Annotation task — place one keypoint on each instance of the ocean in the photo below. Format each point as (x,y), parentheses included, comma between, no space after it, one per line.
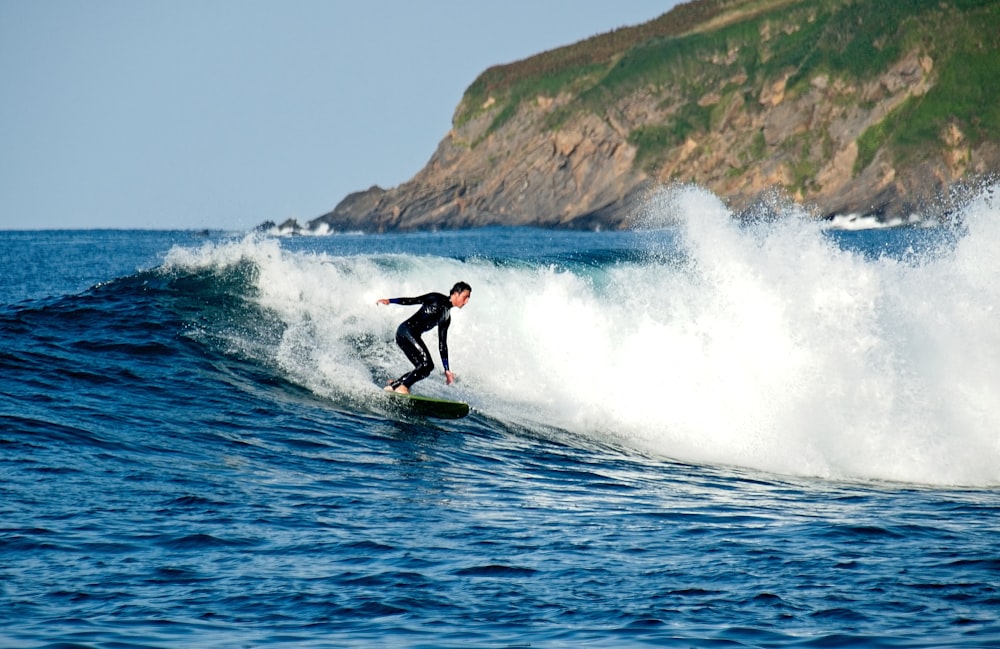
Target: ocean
(699,432)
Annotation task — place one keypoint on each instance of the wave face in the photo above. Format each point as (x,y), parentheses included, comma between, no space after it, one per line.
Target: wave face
(700,431)
(772,345)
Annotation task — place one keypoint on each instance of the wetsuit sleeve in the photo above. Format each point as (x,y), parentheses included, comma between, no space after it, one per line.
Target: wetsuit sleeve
(443,342)
(409,301)
(406,301)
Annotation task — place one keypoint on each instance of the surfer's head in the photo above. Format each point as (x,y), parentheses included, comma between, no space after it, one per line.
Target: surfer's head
(460,294)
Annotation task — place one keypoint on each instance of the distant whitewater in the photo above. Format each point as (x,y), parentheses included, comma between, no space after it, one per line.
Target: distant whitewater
(702,431)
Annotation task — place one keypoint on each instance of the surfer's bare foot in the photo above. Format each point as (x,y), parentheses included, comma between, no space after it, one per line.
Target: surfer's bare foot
(388,388)
(402,389)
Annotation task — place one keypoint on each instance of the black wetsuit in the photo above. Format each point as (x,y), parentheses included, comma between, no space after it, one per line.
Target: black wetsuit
(435,311)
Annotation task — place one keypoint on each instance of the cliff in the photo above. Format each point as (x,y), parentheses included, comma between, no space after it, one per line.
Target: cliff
(878,107)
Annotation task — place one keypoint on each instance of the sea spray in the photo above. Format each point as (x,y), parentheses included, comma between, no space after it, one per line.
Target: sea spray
(814,359)
(763,343)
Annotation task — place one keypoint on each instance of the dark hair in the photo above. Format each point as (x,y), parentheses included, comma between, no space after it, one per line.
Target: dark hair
(459,287)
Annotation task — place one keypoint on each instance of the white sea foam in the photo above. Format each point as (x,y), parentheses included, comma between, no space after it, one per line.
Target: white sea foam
(763,346)
(856,222)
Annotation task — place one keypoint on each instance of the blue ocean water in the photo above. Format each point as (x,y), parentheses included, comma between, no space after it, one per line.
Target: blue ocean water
(698,433)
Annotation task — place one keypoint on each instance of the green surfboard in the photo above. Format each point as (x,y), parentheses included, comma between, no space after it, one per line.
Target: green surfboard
(429,407)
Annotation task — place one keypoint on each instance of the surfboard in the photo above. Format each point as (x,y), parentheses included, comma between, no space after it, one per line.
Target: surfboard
(429,407)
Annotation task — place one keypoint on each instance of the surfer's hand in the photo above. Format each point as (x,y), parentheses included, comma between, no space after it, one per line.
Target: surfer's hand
(449,377)
(382,301)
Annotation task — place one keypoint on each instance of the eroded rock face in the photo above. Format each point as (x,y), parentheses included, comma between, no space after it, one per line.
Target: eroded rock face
(578,176)
(583,173)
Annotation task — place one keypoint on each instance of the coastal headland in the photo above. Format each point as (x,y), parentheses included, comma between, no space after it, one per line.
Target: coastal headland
(865,107)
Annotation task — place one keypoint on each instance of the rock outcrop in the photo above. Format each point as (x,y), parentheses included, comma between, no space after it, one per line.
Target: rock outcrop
(743,97)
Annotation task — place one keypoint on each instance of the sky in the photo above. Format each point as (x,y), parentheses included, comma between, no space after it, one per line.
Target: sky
(223,114)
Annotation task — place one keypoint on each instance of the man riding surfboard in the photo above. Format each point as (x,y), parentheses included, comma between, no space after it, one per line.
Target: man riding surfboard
(435,311)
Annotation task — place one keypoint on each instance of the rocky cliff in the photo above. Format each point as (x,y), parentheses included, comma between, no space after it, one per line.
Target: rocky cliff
(878,107)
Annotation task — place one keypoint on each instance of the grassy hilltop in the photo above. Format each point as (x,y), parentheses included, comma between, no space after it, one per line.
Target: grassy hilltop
(872,106)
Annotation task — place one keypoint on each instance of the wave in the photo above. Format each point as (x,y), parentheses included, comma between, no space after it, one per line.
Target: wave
(766,345)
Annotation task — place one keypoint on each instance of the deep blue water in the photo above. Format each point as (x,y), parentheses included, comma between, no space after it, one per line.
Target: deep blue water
(666,448)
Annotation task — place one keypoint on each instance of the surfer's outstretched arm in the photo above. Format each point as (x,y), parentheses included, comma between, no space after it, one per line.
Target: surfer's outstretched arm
(405,301)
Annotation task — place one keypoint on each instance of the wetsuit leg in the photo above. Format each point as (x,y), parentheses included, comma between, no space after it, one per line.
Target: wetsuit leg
(415,349)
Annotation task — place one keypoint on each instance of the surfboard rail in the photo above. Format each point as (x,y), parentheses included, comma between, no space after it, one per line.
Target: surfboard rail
(429,406)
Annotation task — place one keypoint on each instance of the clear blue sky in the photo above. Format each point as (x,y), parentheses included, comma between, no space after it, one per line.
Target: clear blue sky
(227,113)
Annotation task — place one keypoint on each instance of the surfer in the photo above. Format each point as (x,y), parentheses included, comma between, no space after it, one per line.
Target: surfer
(435,311)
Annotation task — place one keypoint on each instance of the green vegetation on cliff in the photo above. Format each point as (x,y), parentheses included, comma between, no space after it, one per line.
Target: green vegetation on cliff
(551,71)
(965,95)
(701,59)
